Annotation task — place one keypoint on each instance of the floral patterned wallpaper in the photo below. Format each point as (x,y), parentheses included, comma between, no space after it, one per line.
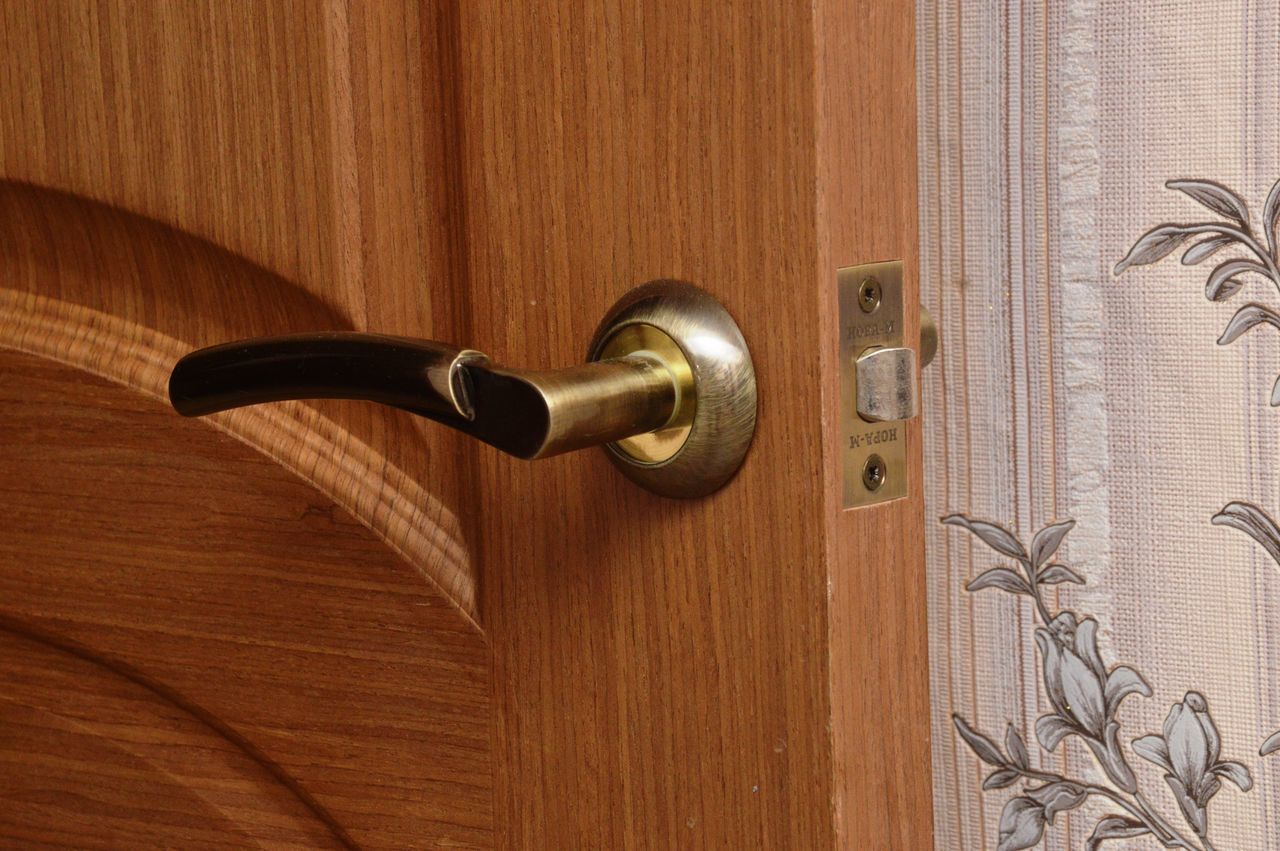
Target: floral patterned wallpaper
(1109,683)
(1084,692)
(1085,695)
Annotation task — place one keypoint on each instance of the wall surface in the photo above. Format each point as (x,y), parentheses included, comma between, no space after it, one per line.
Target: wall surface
(1082,379)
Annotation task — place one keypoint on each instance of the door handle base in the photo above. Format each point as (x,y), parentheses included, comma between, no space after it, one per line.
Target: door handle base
(708,436)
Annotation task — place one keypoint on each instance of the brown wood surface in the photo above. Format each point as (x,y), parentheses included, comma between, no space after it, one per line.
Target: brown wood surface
(879,636)
(590,666)
(198,649)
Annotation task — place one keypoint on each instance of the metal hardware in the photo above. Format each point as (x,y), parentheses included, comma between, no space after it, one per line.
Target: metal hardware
(670,391)
(869,295)
(655,447)
(707,437)
(873,473)
(928,337)
(879,385)
(887,388)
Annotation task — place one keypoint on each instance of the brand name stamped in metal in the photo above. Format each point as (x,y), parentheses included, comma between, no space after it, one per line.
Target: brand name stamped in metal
(871,320)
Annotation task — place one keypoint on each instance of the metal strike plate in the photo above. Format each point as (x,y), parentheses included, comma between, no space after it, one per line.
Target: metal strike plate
(879,388)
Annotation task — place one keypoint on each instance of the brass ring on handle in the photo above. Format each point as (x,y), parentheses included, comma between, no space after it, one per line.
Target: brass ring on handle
(689,332)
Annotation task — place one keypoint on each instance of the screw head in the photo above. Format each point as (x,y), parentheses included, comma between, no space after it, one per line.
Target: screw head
(874,473)
(869,295)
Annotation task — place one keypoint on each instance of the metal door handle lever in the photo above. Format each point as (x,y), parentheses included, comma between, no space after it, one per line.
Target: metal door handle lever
(669,388)
(527,413)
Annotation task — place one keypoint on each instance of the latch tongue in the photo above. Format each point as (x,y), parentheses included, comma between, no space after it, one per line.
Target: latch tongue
(887,385)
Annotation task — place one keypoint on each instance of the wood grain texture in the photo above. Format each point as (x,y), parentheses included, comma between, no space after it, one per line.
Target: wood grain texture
(177,174)
(291,680)
(81,279)
(662,668)
(879,633)
(741,671)
(747,670)
(305,138)
(124,765)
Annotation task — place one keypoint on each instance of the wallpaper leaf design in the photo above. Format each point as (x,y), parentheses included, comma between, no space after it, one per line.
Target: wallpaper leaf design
(1255,523)
(1235,231)
(1086,696)
(1224,282)
(1215,196)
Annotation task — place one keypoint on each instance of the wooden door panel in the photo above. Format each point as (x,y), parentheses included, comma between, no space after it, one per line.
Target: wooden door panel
(311,139)
(123,296)
(687,691)
(673,670)
(325,686)
(879,634)
(92,755)
(434,643)
(180,174)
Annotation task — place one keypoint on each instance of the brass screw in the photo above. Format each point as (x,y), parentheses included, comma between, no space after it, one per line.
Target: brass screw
(869,295)
(874,473)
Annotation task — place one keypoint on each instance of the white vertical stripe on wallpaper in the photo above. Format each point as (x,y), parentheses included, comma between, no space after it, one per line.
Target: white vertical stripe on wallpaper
(1080,275)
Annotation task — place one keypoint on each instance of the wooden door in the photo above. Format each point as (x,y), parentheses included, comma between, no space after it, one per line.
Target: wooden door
(334,624)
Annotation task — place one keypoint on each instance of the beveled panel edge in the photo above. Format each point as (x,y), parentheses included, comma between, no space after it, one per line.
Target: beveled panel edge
(407,517)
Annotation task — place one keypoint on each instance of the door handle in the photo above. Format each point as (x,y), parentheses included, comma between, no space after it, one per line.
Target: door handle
(668,390)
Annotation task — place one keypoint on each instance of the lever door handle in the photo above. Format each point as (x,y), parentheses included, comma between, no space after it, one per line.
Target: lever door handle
(668,389)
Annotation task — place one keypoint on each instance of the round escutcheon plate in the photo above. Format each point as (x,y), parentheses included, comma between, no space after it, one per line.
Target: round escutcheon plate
(691,333)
